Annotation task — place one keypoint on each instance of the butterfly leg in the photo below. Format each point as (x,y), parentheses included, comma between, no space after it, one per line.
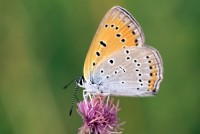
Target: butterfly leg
(87,95)
(108,97)
(91,97)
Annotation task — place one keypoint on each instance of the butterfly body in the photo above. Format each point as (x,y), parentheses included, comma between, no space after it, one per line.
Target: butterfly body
(118,62)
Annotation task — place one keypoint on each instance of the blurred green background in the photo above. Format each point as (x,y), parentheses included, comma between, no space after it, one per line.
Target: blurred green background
(43,45)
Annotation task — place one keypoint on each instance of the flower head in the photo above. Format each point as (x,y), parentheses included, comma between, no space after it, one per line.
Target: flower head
(99,116)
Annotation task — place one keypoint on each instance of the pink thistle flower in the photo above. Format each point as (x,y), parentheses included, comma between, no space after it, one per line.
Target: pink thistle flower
(98,116)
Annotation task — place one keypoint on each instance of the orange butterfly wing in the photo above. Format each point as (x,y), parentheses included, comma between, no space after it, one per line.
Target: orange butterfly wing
(118,29)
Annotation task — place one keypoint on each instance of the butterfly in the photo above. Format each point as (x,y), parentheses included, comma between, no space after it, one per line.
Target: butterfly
(118,62)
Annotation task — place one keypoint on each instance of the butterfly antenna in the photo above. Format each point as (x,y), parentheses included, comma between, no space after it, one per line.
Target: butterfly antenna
(66,86)
(74,96)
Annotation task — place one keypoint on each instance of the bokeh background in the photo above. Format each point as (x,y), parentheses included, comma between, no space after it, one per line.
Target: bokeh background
(43,45)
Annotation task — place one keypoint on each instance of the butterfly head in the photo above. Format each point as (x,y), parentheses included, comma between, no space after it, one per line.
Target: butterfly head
(80,82)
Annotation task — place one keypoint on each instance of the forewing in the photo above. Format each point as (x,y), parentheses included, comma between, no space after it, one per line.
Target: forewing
(117,30)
